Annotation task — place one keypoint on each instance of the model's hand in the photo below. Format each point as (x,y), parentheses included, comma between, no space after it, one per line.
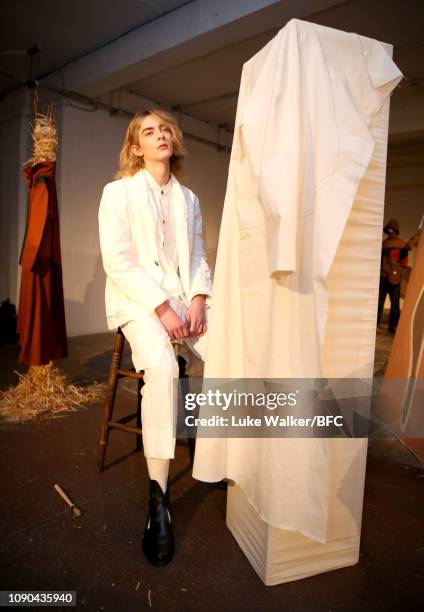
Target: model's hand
(195,316)
(175,326)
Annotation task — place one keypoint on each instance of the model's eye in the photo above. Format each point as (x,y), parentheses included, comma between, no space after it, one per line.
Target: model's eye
(166,129)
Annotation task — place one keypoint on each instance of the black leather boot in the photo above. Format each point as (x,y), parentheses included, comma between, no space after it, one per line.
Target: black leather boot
(158,540)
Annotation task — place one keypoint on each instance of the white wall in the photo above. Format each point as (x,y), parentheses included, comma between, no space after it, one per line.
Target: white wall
(14,151)
(405,186)
(405,161)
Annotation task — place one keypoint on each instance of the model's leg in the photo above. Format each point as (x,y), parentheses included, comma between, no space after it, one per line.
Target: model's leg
(158,470)
(381,298)
(157,409)
(394,293)
(160,368)
(159,447)
(152,351)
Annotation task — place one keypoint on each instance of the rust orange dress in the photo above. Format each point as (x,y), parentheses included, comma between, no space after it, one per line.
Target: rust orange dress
(41,314)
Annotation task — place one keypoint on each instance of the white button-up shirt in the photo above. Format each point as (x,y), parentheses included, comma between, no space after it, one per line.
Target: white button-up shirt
(169,252)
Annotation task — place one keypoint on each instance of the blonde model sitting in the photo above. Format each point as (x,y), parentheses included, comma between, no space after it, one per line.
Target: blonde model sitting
(157,280)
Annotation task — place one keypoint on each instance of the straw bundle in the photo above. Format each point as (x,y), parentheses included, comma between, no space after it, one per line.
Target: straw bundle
(44,135)
(44,391)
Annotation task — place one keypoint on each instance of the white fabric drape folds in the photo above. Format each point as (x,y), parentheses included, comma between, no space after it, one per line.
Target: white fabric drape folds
(302,145)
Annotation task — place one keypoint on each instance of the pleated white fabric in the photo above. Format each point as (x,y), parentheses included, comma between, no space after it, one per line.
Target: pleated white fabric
(303,143)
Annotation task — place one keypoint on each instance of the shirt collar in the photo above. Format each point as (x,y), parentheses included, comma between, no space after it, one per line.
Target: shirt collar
(155,185)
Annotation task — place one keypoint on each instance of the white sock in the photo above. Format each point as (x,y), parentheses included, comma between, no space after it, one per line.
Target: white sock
(158,470)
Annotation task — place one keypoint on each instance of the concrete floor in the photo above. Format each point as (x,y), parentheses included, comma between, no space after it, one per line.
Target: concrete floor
(99,555)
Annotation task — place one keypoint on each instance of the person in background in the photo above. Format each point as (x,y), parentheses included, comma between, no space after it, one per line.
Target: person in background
(394,256)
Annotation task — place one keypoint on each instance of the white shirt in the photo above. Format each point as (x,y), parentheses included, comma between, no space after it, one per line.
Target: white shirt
(162,196)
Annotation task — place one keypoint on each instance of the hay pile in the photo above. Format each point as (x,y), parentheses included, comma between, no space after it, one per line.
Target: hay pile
(45,392)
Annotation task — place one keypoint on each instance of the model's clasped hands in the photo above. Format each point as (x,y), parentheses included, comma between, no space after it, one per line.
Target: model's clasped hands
(195,321)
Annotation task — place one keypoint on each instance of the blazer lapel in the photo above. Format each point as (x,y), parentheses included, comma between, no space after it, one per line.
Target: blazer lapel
(146,206)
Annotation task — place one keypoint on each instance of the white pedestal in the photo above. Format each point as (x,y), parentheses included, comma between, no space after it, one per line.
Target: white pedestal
(280,556)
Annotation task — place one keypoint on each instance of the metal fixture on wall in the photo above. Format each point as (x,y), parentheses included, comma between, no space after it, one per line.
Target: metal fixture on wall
(111,108)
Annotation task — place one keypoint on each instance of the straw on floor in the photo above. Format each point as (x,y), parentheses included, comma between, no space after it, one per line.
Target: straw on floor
(45,392)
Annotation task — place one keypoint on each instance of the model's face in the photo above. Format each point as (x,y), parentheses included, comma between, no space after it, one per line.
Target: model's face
(155,140)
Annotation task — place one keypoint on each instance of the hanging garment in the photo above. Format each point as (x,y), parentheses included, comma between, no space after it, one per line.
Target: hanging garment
(302,144)
(41,315)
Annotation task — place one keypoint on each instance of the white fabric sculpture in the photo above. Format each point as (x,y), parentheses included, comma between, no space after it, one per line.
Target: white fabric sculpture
(302,144)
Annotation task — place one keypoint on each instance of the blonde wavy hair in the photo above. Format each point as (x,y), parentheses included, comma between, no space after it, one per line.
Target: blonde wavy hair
(129,163)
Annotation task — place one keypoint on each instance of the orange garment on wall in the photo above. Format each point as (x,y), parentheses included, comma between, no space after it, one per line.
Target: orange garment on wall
(41,315)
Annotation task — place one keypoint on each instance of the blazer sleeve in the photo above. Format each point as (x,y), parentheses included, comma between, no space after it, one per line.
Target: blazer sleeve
(116,247)
(200,274)
(382,72)
(272,135)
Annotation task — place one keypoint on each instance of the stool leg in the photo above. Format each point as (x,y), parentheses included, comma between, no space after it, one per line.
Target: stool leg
(191,449)
(185,388)
(138,438)
(110,397)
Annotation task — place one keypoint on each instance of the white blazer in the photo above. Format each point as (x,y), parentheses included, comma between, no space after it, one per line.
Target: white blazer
(131,238)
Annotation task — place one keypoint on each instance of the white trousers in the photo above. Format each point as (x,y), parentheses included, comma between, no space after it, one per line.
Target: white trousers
(153,352)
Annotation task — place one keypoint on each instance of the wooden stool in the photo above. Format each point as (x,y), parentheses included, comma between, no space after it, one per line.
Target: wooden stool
(115,374)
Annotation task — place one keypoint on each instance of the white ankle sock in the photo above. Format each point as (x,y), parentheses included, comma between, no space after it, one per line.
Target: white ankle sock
(158,470)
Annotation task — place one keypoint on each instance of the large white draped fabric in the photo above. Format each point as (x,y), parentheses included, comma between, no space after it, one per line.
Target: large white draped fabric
(296,276)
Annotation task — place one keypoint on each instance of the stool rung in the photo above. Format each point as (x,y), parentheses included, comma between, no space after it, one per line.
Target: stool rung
(129,374)
(124,419)
(127,428)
